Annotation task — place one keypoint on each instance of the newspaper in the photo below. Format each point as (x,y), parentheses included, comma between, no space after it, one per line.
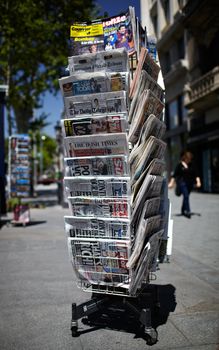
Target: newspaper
(113,61)
(94,125)
(91,83)
(103,165)
(148,104)
(119,31)
(97,186)
(151,207)
(151,187)
(145,83)
(86,227)
(86,37)
(152,127)
(105,103)
(142,156)
(96,145)
(144,230)
(107,207)
(146,63)
(155,167)
(142,269)
(100,260)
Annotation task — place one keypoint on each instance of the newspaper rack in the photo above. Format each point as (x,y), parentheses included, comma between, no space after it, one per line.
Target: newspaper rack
(115,224)
(19,176)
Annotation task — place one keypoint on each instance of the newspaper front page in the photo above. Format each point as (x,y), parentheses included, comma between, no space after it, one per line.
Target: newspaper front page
(94,125)
(96,145)
(97,186)
(100,165)
(95,227)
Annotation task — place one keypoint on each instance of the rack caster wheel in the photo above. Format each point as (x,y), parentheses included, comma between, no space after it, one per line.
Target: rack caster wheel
(74,331)
(151,335)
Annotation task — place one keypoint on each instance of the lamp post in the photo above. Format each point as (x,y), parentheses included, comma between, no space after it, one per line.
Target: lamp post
(3,92)
(59,140)
(42,138)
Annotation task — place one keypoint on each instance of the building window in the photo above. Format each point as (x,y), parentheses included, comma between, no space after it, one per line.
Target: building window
(182,110)
(154,21)
(166,7)
(180,48)
(175,149)
(173,115)
(166,63)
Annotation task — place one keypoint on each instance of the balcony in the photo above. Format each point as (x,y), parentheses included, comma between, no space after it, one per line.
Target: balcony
(203,92)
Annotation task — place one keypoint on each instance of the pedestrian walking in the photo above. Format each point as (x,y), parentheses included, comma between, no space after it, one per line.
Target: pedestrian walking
(185,178)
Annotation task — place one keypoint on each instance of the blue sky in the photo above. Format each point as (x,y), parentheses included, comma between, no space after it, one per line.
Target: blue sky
(53,106)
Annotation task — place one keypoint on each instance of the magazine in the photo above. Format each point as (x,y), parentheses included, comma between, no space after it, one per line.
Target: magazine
(113,61)
(86,227)
(146,63)
(142,269)
(145,229)
(148,104)
(96,145)
(119,32)
(142,156)
(145,83)
(97,186)
(86,37)
(90,206)
(94,125)
(150,188)
(103,165)
(151,207)
(155,167)
(105,103)
(91,83)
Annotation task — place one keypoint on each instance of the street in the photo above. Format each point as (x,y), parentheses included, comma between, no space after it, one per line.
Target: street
(38,286)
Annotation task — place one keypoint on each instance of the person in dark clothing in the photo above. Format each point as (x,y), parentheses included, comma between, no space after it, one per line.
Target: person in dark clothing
(185,178)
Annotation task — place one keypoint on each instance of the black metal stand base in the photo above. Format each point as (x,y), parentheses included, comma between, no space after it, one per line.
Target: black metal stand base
(108,310)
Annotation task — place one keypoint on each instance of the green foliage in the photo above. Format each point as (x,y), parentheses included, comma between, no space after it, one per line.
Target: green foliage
(34,48)
(11,203)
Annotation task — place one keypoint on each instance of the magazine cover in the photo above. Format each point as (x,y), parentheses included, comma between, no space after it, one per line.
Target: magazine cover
(108,207)
(91,83)
(96,145)
(119,32)
(97,186)
(109,102)
(94,125)
(86,227)
(86,37)
(113,61)
(103,165)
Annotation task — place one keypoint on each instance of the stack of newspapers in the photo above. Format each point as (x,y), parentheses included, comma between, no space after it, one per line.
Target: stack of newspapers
(114,152)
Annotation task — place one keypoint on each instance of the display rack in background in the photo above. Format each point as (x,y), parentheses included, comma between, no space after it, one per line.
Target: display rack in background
(117,199)
(19,166)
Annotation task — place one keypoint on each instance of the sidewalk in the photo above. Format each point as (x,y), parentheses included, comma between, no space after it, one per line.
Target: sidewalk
(37,286)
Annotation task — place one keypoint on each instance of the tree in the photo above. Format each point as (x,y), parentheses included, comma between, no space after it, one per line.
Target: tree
(33,50)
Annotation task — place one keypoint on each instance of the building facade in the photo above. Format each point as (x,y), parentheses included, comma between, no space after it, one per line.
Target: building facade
(187,34)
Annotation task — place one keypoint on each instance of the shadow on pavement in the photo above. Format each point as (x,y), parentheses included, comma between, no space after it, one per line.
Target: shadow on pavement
(36,222)
(192,214)
(4,222)
(114,315)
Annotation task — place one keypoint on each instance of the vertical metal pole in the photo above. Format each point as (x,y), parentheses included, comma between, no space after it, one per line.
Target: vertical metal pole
(34,163)
(2,156)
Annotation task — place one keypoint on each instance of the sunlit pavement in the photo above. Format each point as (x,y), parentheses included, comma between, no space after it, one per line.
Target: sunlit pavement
(37,286)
